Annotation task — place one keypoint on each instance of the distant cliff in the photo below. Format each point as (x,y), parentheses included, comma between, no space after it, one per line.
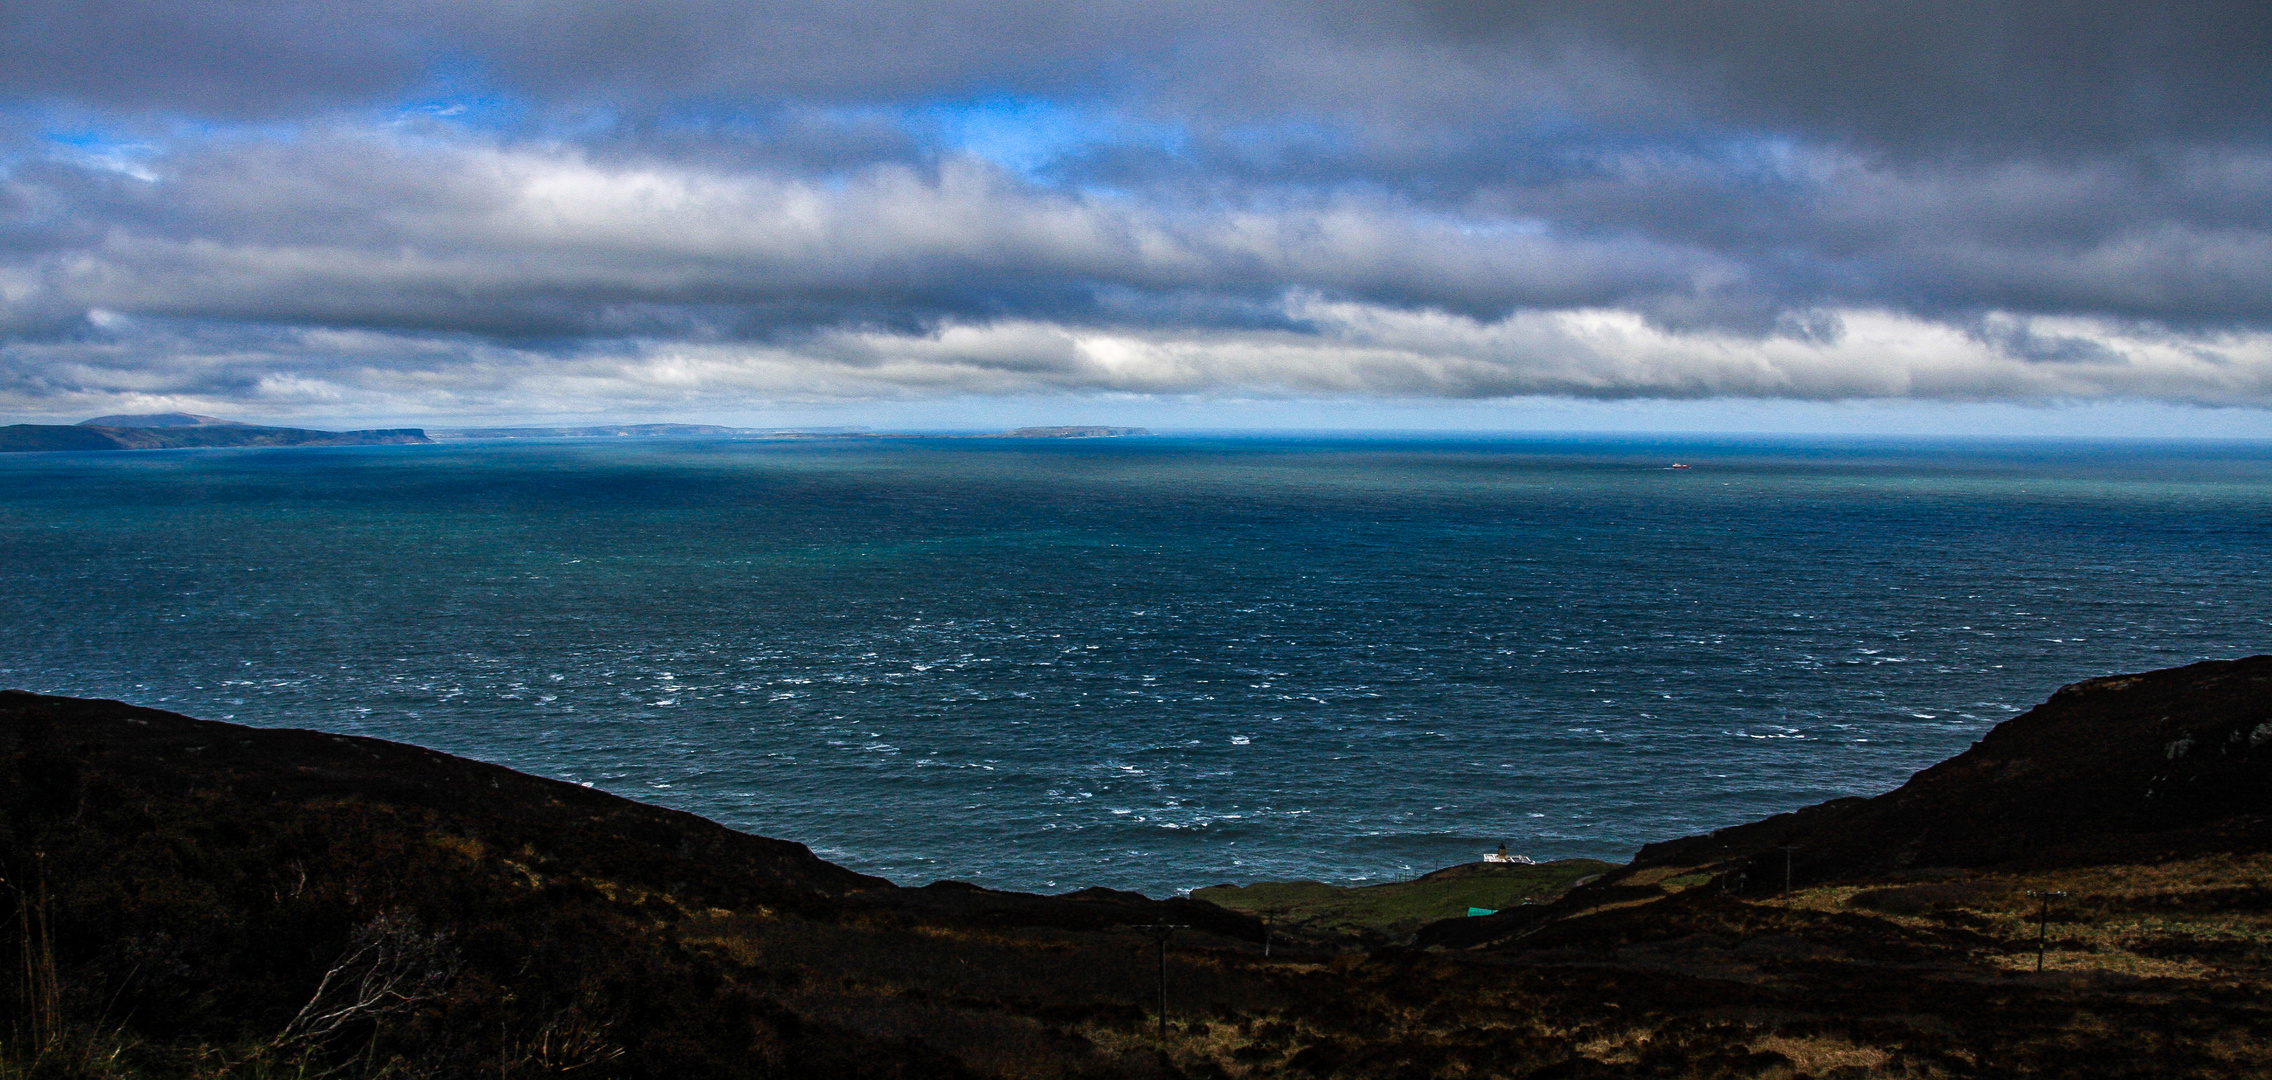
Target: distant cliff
(203,431)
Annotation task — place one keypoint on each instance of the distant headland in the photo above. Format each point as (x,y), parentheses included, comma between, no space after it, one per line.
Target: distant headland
(179,430)
(169,431)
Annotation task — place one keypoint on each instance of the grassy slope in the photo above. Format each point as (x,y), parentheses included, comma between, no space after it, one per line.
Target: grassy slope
(1390,912)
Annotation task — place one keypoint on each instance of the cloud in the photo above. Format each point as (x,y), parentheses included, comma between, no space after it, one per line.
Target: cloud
(540,241)
(358,228)
(1999,72)
(1357,349)
(1342,349)
(407,203)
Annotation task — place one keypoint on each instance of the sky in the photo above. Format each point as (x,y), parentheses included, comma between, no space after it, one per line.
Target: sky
(1928,216)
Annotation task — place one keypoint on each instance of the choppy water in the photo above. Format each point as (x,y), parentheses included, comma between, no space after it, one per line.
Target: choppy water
(1153,664)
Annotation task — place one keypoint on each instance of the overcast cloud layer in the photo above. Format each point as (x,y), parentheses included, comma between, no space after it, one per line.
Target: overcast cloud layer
(493,208)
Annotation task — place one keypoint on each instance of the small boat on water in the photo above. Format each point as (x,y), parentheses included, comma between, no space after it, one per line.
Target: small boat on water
(1678,465)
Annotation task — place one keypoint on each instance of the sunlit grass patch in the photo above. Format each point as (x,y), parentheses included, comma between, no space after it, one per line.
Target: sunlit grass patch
(1392,910)
(1819,1054)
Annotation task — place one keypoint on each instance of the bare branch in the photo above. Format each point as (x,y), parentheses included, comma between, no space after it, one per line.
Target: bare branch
(389,965)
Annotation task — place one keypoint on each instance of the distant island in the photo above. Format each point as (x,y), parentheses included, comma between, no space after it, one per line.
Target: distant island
(171,431)
(1070,433)
(631,431)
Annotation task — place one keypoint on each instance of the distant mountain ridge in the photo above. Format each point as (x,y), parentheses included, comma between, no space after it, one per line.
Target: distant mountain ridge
(172,431)
(160,431)
(159,420)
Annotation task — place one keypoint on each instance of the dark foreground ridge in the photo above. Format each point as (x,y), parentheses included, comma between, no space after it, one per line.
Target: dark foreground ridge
(2151,769)
(195,899)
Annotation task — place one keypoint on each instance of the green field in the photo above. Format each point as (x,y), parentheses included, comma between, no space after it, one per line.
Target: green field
(1390,912)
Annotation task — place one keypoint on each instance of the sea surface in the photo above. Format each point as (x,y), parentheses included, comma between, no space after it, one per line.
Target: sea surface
(1152,663)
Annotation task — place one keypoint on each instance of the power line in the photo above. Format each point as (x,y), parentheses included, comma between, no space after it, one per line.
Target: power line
(2042,924)
(1162,932)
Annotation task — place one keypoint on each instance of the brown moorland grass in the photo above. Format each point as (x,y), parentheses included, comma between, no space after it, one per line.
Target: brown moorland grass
(191,900)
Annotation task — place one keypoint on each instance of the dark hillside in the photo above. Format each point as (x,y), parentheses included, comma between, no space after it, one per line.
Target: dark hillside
(188,899)
(90,755)
(201,877)
(2156,766)
(2134,769)
(183,888)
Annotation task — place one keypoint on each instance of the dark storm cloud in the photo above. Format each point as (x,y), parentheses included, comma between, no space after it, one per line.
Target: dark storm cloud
(204,57)
(1599,198)
(281,57)
(2085,74)
(2095,74)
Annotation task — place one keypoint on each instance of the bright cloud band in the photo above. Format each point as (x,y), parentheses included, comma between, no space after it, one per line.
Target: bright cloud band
(1415,201)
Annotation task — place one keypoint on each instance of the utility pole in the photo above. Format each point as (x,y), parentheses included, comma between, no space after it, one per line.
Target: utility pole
(2042,924)
(1787,849)
(1269,915)
(1162,932)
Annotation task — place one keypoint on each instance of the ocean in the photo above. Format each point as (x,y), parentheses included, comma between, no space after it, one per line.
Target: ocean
(1146,663)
